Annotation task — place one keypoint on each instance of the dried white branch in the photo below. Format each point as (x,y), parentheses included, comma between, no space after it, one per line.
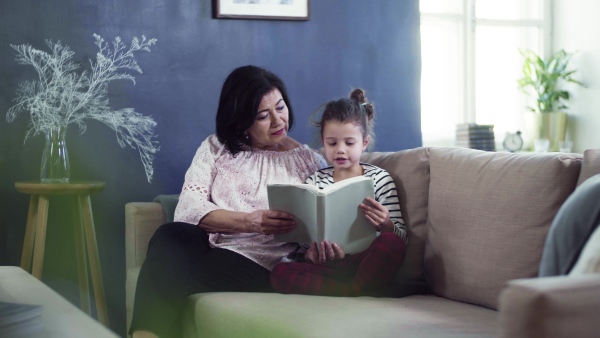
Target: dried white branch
(61,96)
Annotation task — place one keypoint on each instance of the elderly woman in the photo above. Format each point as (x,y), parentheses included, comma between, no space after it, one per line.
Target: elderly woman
(222,237)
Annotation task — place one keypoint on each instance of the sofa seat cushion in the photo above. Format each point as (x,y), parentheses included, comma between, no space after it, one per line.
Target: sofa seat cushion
(228,314)
(489,214)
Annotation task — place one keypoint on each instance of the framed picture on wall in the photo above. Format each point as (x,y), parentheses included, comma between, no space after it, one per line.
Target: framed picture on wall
(261,9)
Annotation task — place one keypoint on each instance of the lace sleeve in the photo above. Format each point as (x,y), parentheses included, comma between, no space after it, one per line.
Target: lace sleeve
(194,200)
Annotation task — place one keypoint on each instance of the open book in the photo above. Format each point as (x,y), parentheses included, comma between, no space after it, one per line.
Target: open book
(331,214)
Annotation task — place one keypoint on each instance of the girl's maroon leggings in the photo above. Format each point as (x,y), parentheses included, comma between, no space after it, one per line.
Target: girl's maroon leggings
(350,276)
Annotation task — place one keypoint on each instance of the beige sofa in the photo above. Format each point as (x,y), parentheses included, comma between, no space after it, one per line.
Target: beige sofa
(477,225)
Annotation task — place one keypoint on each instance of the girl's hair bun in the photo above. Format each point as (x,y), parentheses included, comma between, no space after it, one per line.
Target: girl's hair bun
(358,95)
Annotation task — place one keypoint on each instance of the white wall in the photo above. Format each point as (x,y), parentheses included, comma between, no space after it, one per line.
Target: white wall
(575,28)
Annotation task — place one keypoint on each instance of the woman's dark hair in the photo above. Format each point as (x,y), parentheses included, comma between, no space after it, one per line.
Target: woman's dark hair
(356,109)
(240,97)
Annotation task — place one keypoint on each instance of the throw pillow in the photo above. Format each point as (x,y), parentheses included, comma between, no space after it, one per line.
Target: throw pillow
(589,260)
(571,229)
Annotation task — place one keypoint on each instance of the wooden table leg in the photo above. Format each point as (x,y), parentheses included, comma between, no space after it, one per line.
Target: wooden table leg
(29,234)
(80,256)
(92,247)
(40,237)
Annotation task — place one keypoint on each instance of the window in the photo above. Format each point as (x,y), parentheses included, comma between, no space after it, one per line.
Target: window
(471,62)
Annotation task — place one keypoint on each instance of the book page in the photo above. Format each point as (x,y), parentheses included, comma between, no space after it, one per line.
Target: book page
(305,186)
(341,184)
(344,222)
(299,202)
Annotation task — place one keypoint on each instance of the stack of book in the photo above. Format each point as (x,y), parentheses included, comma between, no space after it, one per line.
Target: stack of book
(18,320)
(475,136)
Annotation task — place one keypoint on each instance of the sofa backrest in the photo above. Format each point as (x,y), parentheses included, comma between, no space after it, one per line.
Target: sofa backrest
(590,166)
(488,216)
(410,171)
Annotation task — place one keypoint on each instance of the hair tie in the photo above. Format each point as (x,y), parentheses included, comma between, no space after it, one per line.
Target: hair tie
(363,104)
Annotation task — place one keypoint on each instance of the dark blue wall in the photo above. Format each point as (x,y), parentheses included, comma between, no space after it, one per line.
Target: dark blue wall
(346,44)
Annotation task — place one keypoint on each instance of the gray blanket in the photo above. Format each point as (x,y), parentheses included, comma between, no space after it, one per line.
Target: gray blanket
(573,225)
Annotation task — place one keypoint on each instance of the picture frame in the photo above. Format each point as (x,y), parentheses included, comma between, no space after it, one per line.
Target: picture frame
(297,10)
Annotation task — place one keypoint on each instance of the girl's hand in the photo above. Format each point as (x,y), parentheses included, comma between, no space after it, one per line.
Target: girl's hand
(327,252)
(312,254)
(377,214)
(269,222)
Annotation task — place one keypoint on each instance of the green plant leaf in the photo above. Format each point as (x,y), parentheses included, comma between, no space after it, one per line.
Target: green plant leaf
(543,79)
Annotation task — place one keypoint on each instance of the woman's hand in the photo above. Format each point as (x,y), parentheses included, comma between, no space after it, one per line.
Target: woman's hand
(378,215)
(269,222)
(327,252)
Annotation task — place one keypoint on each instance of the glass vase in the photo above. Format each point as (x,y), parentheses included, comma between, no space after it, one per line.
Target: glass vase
(55,158)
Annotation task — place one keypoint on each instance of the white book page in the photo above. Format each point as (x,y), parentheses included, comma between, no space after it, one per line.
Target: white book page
(339,220)
(302,204)
(344,222)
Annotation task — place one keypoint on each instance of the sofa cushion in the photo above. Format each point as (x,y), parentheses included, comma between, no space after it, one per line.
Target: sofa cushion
(410,171)
(488,218)
(263,315)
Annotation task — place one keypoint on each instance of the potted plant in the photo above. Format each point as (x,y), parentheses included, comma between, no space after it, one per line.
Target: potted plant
(544,80)
(63,95)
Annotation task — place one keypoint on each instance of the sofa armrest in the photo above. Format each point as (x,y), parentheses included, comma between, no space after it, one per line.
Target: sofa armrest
(141,221)
(560,306)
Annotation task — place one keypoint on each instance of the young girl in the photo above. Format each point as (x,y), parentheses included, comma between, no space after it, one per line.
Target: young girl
(346,131)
